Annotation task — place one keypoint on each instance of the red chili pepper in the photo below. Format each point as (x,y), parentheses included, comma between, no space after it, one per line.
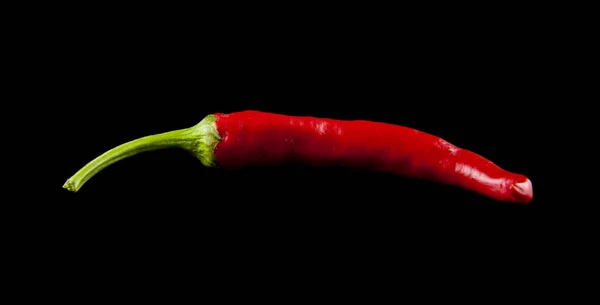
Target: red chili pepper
(252,138)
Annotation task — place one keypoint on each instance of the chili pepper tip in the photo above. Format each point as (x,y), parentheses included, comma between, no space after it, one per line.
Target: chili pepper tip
(522,191)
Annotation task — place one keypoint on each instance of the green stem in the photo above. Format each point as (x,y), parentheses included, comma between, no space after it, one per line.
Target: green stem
(200,140)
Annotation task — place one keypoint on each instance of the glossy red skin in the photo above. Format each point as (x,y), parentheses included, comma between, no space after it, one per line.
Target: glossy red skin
(252,138)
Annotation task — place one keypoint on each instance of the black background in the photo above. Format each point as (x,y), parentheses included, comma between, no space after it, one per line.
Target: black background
(475,80)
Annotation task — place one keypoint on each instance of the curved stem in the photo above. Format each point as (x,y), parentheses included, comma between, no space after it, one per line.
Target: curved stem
(178,138)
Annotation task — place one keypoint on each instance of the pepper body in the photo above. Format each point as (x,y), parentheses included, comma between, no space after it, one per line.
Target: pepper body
(252,138)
